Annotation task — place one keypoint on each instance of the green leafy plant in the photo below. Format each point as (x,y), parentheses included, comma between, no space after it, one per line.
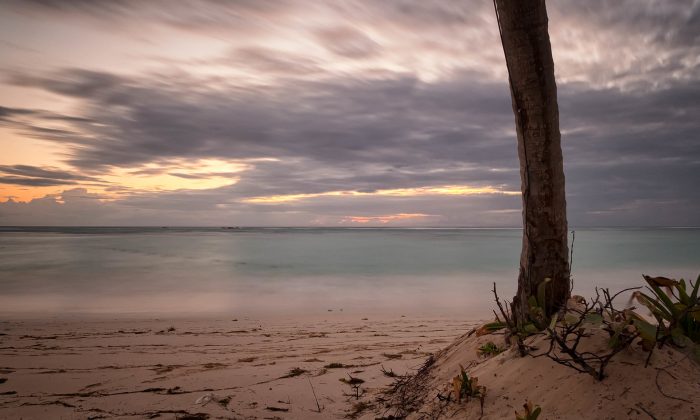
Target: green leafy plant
(531,412)
(490,328)
(489,349)
(675,305)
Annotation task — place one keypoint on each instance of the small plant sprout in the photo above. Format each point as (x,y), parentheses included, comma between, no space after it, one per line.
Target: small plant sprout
(466,387)
(489,349)
(355,384)
(530,412)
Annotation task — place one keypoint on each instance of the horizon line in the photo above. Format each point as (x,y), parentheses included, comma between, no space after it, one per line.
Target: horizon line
(231,227)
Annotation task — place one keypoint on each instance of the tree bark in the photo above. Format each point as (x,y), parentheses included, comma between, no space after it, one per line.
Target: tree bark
(523,28)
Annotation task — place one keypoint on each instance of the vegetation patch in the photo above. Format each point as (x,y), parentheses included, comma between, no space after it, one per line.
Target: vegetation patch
(530,412)
(297,371)
(336,365)
(490,349)
(392,356)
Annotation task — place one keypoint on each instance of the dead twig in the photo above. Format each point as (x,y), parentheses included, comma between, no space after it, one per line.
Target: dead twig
(665,369)
(318,406)
(571,261)
(641,407)
(406,395)
(511,325)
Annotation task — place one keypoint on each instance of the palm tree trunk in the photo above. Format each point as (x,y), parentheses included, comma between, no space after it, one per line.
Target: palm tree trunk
(523,27)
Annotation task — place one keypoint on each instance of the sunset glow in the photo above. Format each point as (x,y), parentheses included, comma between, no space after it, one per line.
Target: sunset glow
(384,219)
(398,192)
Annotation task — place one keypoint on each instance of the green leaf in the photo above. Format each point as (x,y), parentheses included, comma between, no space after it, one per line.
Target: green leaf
(594,318)
(684,298)
(494,326)
(656,307)
(570,319)
(647,331)
(695,315)
(668,303)
(530,328)
(614,341)
(696,288)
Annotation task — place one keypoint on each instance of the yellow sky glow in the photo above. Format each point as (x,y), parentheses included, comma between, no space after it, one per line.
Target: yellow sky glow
(163,176)
(384,219)
(193,175)
(396,192)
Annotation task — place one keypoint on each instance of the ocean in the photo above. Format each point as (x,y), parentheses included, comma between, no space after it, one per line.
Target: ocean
(259,271)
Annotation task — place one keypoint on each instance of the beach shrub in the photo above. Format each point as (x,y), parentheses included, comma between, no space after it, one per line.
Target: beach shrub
(516,331)
(675,305)
(569,329)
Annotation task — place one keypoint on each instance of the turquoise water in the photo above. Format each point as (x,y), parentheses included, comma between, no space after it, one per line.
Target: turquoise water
(193,270)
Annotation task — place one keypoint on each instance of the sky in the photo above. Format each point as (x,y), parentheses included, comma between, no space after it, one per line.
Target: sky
(336,113)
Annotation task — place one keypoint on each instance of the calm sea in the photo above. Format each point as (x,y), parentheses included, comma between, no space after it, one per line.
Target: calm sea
(295,270)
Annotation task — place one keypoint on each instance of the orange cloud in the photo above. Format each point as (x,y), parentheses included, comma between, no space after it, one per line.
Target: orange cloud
(384,219)
(160,176)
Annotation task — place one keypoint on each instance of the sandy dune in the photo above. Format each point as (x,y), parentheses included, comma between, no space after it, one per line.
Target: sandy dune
(669,388)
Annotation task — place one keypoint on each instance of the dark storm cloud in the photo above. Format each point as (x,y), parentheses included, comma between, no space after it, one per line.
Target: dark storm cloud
(73,82)
(33,182)
(40,177)
(7,113)
(33,171)
(394,122)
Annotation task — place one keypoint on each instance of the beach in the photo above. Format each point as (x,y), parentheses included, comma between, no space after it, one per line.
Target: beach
(224,367)
(276,368)
(305,323)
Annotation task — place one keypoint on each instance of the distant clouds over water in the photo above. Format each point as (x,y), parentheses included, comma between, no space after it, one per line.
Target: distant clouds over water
(336,113)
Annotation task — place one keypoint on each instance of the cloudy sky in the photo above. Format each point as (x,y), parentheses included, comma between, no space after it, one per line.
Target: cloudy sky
(337,113)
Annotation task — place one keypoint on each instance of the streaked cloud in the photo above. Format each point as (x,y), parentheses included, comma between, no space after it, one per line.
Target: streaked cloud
(207,112)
